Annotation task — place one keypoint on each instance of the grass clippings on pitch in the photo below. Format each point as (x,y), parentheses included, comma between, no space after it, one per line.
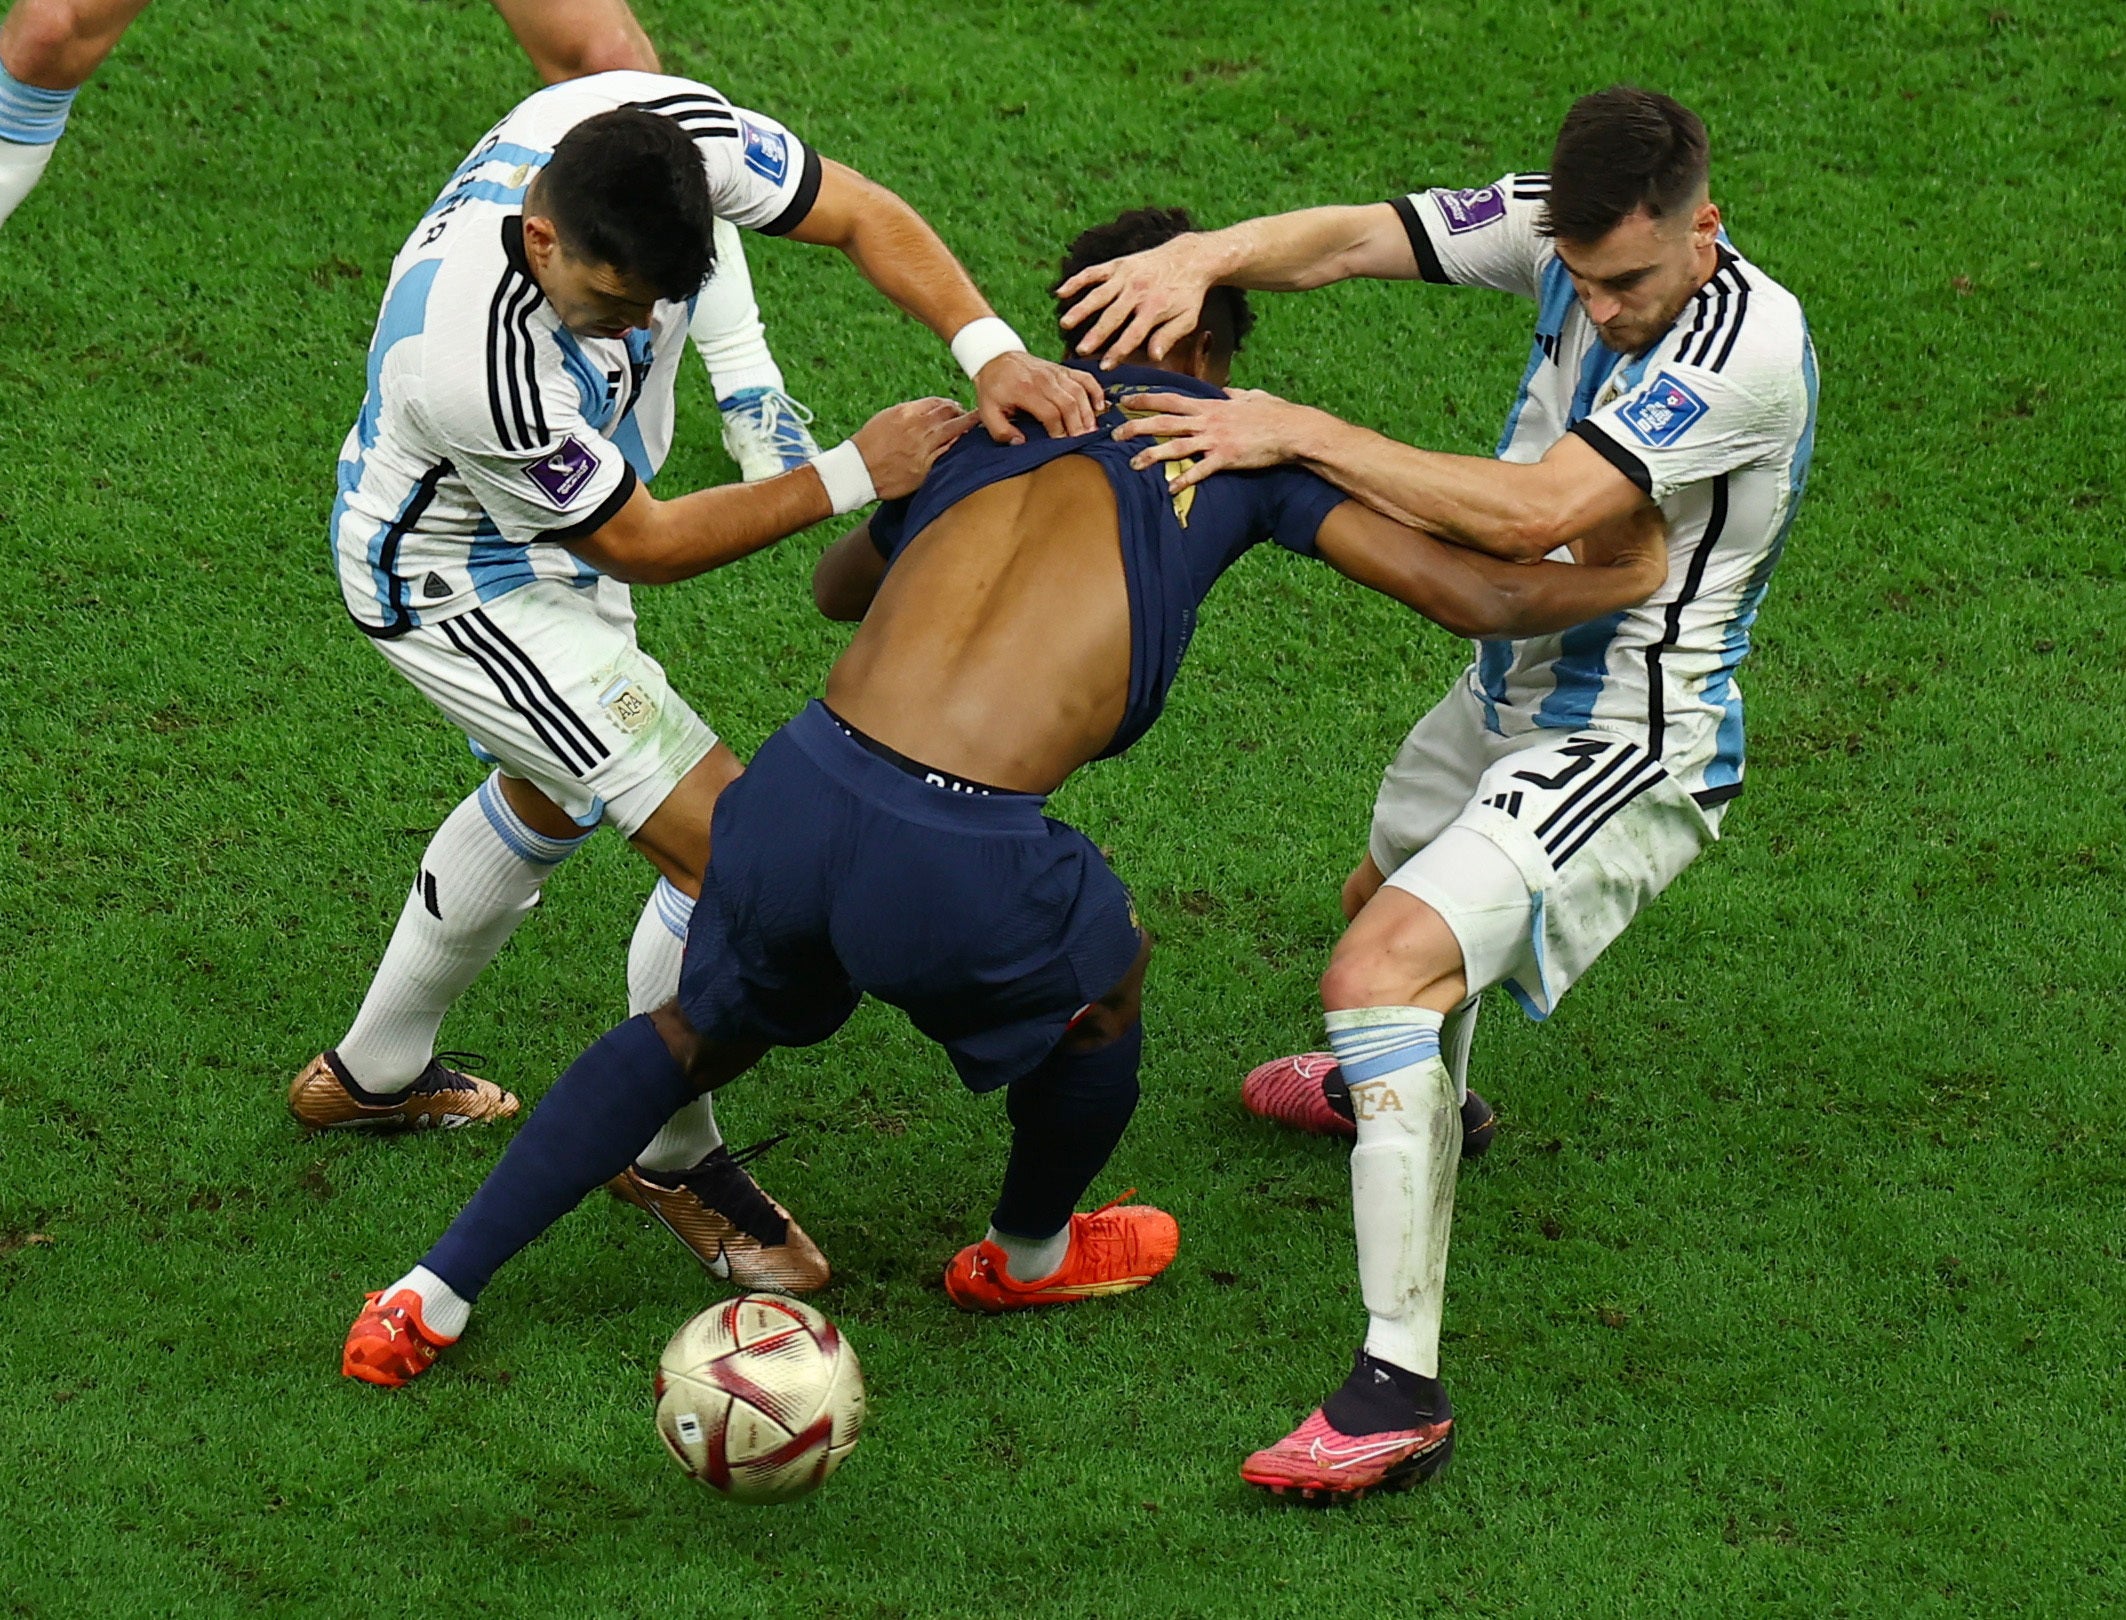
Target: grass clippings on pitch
(1793,1283)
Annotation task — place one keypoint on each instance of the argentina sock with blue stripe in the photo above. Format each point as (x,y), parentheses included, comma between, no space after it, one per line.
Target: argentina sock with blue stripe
(1402,1175)
(479,878)
(32,119)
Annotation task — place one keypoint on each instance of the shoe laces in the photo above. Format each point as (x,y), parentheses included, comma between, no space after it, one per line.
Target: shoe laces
(779,419)
(721,1182)
(1089,1233)
(441,1076)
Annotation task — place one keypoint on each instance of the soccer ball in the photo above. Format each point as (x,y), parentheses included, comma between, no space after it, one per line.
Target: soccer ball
(759,1398)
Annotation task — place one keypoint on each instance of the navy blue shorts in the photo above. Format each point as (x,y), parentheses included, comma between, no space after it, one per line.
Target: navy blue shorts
(834,873)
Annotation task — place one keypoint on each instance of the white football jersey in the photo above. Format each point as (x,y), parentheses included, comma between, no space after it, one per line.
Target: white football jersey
(492,435)
(1715,422)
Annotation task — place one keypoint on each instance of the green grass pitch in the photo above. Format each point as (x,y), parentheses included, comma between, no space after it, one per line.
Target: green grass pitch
(1794,1284)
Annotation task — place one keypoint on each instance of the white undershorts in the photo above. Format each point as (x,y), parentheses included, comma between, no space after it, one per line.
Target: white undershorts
(548,683)
(1537,850)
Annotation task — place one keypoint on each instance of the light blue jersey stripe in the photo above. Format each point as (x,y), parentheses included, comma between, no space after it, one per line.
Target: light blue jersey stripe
(478,191)
(593,392)
(1553,304)
(497,566)
(1578,672)
(405,315)
(1720,690)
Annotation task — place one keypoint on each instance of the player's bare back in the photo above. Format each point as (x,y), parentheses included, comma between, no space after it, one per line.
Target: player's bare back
(998,648)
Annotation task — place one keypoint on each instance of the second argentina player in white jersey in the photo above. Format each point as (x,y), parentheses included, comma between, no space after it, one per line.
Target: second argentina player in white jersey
(1564,780)
(492,506)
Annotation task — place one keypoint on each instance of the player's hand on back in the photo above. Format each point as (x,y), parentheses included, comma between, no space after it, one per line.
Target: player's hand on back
(1151,299)
(1248,428)
(1065,402)
(900,443)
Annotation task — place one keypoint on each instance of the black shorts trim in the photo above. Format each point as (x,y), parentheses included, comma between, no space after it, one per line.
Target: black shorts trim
(1615,454)
(929,774)
(1428,265)
(800,204)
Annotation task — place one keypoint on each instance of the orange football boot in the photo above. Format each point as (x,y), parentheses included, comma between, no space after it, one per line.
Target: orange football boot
(1112,1251)
(389,1344)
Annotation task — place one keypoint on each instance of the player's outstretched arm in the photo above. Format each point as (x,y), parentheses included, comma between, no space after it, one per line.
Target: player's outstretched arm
(848,575)
(1510,509)
(653,542)
(1621,563)
(1154,299)
(899,254)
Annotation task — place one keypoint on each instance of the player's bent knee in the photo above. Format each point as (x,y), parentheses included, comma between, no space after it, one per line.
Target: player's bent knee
(57,44)
(1399,956)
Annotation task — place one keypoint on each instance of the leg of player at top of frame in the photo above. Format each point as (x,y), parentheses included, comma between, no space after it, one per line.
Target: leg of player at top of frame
(48,49)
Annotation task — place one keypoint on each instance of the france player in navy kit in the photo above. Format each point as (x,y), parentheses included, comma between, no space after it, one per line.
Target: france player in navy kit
(1024,611)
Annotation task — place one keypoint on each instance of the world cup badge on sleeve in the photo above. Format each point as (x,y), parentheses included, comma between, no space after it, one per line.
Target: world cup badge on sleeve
(1469,210)
(1663,413)
(561,473)
(767,153)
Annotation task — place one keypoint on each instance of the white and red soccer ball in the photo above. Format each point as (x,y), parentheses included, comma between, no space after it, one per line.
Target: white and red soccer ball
(759,1398)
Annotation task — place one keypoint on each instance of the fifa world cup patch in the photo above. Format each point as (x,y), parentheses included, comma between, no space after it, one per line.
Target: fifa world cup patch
(1470,210)
(767,153)
(1663,413)
(562,473)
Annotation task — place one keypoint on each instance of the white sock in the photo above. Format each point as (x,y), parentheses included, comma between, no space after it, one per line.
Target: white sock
(32,119)
(20,168)
(1030,1259)
(443,1313)
(1402,1175)
(726,328)
(1454,1038)
(479,878)
(690,1135)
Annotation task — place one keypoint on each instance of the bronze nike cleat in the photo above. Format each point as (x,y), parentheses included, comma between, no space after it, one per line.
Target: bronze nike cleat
(324,1097)
(733,1228)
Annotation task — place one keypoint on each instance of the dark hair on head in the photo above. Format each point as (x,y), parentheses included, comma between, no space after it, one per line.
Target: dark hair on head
(1618,150)
(1225,309)
(626,189)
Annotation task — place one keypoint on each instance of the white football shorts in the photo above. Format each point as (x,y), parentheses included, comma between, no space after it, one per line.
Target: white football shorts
(548,683)
(1538,849)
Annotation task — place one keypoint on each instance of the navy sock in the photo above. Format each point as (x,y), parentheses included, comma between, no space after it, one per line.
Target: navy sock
(1066,1118)
(584,1132)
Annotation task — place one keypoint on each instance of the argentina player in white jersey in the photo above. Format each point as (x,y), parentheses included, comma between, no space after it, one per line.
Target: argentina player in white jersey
(493,504)
(1564,780)
(50,48)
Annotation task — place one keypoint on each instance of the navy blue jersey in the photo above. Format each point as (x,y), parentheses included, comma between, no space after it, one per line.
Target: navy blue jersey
(1174,547)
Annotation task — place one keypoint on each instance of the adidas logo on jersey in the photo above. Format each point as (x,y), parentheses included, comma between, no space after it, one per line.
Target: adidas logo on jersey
(435,585)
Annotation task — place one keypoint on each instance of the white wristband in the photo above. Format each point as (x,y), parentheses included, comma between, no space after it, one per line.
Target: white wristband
(847,479)
(979,342)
